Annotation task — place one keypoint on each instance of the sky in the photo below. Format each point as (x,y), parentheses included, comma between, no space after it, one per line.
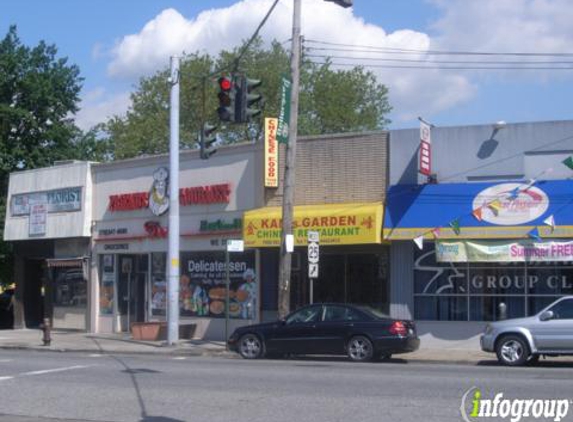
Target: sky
(116,42)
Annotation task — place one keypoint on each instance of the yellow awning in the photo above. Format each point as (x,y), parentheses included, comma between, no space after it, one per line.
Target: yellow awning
(337,224)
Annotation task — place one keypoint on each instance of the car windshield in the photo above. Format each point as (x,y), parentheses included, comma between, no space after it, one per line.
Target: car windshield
(376,313)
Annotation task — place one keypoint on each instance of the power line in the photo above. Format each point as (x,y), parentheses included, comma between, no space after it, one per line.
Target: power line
(355,47)
(433,61)
(381,66)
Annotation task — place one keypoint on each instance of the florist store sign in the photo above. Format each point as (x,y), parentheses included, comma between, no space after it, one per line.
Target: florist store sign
(504,251)
(337,224)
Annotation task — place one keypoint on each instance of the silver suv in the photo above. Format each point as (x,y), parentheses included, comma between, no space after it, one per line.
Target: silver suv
(523,340)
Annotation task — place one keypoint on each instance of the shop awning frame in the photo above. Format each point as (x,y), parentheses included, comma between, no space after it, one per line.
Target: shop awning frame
(66,262)
(416,210)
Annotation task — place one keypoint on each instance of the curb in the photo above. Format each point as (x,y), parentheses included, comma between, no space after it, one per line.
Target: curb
(176,352)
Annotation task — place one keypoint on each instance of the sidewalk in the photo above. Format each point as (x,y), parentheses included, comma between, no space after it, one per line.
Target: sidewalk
(71,341)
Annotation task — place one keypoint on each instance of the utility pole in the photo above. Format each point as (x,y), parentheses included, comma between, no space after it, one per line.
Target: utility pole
(290,167)
(173,254)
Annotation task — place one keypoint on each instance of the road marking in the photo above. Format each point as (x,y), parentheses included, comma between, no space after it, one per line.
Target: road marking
(44,371)
(6,360)
(95,355)
(50,371)
(179,358)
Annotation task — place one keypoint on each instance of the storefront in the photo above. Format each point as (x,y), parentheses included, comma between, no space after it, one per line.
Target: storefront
(353,262)
(484,251)
(48,221)
(131,241)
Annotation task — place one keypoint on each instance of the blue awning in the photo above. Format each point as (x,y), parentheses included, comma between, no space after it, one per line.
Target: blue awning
(479,210)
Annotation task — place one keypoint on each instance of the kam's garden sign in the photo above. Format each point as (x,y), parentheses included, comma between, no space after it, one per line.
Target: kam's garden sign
(342,224)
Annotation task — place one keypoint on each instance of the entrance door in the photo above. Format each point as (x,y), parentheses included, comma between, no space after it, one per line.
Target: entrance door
(131,295)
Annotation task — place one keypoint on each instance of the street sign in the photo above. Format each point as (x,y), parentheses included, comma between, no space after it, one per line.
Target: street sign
(235,246)
(313,252)
(313,270)
(313,236)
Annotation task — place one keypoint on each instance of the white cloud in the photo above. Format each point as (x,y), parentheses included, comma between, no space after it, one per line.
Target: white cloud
(170,33)
(506,25)
(530,26)
(97,106)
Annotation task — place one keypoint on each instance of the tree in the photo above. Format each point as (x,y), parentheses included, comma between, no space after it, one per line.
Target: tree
(331,101)
(38,95)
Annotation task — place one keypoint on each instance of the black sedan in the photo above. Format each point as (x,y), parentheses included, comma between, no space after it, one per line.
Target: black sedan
(362,333)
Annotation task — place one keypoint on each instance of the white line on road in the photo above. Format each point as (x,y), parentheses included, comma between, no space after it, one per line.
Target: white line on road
(44,371)
(49,371)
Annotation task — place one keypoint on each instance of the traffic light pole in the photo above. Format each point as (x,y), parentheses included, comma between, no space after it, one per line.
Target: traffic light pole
(290,167)
(173,253)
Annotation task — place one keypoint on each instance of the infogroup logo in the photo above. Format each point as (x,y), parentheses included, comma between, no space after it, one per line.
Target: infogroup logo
(474,407)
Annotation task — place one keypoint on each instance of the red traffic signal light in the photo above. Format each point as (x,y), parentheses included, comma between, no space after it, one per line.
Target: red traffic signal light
(225,83)
(226,95)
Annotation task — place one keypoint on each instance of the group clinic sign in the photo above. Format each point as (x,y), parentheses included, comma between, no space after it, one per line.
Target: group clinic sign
(337,224)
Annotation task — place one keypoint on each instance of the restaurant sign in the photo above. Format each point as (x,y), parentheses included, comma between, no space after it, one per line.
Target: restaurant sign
(337,224)
(504,251)
(271,154)
(196,195)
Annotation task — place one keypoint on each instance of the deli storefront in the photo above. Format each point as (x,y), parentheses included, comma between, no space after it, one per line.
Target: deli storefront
(130,237)
(353,262)
(481,251)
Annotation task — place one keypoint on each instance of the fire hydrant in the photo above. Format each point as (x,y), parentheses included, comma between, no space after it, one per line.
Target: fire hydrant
(46,330)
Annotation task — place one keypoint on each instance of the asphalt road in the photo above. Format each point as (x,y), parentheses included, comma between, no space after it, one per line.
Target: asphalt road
(45,386)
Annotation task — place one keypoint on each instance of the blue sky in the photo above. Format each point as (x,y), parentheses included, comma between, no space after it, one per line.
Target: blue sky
(116,42)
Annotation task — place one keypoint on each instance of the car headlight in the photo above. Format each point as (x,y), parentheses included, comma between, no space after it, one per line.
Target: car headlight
(488,329)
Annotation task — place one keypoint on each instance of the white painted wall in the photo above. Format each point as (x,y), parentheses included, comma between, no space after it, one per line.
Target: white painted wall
(58,224)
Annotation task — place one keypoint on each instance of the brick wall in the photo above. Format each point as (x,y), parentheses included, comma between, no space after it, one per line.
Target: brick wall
(337,168)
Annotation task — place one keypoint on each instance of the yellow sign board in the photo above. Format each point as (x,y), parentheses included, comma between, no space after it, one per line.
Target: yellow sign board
(271,153)
(337,224)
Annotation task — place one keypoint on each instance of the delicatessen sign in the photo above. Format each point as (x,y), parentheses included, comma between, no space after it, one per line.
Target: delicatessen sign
(202,289)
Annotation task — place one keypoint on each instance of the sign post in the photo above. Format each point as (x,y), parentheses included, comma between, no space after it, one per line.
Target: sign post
(313,258)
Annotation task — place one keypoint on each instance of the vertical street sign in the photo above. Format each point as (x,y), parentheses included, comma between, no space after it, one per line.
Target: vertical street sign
(425,162)
(313,258)
(284,113)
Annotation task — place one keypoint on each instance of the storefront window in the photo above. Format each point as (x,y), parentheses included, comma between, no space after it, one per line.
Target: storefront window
(203,290)
(158,284)
(70,288)
(107,284)
(485,291)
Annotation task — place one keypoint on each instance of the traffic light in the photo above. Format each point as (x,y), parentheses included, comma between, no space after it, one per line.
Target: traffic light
(247,99)
(207,138)
(226,110)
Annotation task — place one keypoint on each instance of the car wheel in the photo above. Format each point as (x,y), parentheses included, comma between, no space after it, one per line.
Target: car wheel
(250,346)
(360,349)
(512,351)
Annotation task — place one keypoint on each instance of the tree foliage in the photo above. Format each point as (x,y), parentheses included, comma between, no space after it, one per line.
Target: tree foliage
(38,96)
(331,100)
